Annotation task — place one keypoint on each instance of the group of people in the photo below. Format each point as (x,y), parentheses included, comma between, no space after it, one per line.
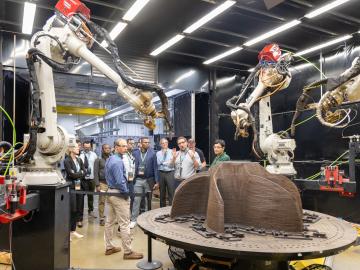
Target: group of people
(130,172)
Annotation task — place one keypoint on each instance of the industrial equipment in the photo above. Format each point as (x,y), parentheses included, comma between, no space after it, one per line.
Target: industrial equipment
(273,75)
(339,91)
(66,38)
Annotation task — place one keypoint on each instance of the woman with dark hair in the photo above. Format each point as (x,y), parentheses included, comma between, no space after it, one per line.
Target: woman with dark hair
(219,150)
(75,172)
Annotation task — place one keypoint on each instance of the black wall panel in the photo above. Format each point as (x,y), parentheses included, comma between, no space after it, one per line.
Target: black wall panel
(22,112)
(182,115)
(202,124)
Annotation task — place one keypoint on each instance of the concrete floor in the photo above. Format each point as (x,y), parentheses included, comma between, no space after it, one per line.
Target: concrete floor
(88,252)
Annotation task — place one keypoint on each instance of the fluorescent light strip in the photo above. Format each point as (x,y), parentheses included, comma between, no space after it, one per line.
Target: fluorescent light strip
(325,8)
(184,76)
(28,17)
(135,9)
(223,55)
(212,14)
(323,45)
(167,45)
(272,32)
(115,32)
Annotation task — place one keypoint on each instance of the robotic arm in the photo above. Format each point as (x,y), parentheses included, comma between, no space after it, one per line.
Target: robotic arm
(272,72)
(66,38)
(345,88)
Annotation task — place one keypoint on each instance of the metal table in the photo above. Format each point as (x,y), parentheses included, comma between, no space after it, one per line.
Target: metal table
(254,251)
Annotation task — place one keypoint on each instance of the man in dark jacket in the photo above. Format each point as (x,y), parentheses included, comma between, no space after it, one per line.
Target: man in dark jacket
(146,175)
(100,181)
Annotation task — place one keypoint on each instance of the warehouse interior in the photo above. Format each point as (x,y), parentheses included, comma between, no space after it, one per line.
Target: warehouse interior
(274,83)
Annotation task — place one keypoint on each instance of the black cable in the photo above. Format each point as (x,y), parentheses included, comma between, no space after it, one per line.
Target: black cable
(142,86)
(36,42)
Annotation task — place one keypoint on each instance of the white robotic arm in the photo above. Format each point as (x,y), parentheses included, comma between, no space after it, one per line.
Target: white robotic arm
(279,151)
(64,40)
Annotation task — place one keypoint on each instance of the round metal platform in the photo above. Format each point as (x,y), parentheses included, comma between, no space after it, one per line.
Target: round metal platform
(340,236)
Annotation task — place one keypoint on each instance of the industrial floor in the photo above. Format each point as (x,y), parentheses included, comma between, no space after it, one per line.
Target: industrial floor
(88,252)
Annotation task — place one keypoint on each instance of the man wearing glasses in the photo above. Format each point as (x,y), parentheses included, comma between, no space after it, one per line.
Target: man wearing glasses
(129,162)
(166,172)
(146,176)
(115,175)
(186,161)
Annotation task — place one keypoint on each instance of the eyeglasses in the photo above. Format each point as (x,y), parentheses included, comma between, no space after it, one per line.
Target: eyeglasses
(121,145)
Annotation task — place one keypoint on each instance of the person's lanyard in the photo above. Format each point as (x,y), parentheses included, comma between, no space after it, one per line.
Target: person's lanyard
(131,158)
(143,157)
(182,157)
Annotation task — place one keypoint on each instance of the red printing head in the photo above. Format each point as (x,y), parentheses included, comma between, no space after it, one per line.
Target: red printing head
(69,7)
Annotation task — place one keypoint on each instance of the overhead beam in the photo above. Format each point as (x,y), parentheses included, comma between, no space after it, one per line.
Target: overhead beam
(81,110)
(100,3)
(17,24)
(273,16)
(340,17)
(208,41)
(203,57)
(229,33)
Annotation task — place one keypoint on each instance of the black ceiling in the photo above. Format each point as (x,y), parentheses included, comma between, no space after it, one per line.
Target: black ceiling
(162,19)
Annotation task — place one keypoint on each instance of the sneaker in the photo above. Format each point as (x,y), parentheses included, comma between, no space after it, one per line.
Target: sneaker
(91,214)
(133,256)
(79,224)
(112,250)
(102,222)
(132,224)
(76,235)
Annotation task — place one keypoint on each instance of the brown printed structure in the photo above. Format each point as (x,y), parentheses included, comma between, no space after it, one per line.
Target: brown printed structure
(240,193)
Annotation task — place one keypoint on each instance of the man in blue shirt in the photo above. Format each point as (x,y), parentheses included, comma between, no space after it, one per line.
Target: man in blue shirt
(146,175)
(166,172)
(115,176)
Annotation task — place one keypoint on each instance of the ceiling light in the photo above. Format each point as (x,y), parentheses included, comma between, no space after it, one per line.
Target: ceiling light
(117,30)
(184,76)
(90,102)
(223,55)
(104,94)
(114,32)
(135,9)
(212,14)
(70,114)
(325,8)
(167,45)
(28,18)
(272,32)
(323,45)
